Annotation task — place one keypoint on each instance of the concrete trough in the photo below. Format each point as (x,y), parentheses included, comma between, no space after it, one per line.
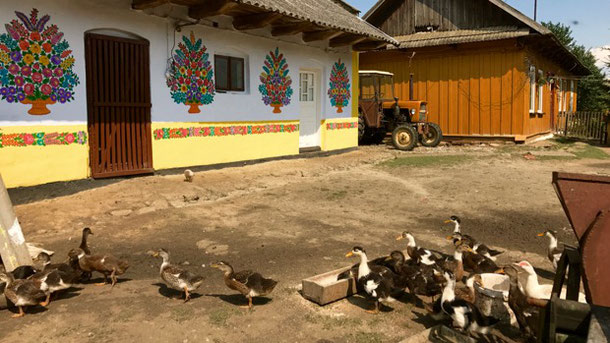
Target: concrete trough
(325,288)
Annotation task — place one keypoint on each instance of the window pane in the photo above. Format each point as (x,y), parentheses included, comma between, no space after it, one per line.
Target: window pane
(237,74)
(221,69)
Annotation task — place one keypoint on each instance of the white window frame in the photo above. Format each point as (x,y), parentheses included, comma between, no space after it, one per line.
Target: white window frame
(540,92)
(532,76)
(560,94)
(572,91)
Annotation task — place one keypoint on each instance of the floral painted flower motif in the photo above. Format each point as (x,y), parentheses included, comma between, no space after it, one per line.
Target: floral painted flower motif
(338,90)
(42,139)
(28,139)
(275,81)
(37,61)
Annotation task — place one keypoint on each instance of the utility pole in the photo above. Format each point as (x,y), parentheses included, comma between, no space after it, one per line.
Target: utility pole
(535,8)
(13,250)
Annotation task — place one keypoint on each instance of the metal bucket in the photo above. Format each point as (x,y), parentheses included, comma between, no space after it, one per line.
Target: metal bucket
(491,298)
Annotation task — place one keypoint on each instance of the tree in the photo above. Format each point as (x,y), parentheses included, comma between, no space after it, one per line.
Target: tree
(338,89)
(191,82)
(593,91)
(275,82)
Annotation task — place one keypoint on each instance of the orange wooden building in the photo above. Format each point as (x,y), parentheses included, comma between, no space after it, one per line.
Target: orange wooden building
(484,68)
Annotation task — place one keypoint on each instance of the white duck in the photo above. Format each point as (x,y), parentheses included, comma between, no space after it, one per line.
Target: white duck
(553,252)
(535,290)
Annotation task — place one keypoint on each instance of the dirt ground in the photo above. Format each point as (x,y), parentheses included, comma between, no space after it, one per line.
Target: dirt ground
(290,220)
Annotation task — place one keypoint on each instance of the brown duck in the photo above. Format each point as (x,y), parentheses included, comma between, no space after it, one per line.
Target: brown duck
(54,276)
(178,278)
(23,292)
(247,282)
(107,265)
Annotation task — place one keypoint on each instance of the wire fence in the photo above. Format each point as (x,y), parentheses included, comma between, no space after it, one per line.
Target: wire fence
(583,125)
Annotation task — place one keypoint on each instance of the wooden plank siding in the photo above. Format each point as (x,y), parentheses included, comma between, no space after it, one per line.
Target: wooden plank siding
(474,91)
(409,16)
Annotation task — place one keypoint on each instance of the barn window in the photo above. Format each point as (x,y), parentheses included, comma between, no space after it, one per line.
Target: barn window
(532,76)
(572,92)
(560,94)
(229,72)
(540,90)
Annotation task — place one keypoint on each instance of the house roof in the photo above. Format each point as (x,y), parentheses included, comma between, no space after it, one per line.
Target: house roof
(534,31)
(327,13)
(435,38)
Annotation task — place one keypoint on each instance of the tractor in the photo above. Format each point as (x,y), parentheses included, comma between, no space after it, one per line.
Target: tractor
(379,112)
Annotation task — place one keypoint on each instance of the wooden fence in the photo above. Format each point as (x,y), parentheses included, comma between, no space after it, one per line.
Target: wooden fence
(582,125)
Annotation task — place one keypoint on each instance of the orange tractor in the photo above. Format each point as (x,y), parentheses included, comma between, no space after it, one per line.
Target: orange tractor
(380,112)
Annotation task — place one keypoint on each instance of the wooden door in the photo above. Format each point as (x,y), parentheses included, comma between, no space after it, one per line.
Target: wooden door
(118,105)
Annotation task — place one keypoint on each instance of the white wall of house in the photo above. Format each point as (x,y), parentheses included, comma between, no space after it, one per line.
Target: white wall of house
(75,17)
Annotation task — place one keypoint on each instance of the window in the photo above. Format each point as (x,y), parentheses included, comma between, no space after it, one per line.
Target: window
(540,90)
(532,76)
(560,94)
(229,73)
(306,89)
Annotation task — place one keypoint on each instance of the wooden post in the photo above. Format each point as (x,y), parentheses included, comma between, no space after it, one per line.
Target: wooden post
(13,250)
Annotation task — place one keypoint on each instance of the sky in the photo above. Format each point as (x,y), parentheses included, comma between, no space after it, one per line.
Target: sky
(589,19)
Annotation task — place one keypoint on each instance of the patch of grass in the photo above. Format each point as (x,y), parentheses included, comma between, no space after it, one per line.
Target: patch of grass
(556,158)
(369,337)
(588,151)
(427,161)
(219,317)
(182,313)
(334,322)
(337,195)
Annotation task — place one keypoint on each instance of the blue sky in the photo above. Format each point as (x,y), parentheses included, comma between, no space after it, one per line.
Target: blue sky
(592,16)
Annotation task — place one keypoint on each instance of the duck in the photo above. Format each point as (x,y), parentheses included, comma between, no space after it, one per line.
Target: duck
(553,252)
(377,281)
(249,283)
(54,277)
(418,279)
(480,248)
(105,264)
(526,314)
(177,278)
(22,292)
(456,263)
(535,290)
(86,276)
(479,264)
(457,222)
(421,255)
(464,314)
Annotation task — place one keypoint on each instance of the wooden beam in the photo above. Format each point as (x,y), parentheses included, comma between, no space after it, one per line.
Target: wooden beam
(345,39)
(144,4)
(370,45)
(290,29)
(255,21)
(212,8)
(320,35)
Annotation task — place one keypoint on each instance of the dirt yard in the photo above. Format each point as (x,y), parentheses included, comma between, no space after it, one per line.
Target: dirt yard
(289,220)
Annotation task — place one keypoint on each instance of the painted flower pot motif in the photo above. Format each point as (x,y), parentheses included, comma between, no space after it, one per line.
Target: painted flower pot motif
(194,107)
(35,64)
(39,106)
(339,87)
(191,79)
(275,82)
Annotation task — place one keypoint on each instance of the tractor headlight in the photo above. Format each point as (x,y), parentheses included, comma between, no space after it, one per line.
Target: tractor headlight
(412,111)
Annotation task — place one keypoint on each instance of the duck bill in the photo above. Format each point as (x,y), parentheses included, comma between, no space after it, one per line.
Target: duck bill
(500,271)
(399,237)
(349,254)
(541,234)
(449,237)
(447,221)
(155,254)
(214,265)
(389,258)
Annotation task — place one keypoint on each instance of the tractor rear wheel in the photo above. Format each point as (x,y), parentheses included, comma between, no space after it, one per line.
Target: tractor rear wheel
(361,129)
(433,137)
(404,137)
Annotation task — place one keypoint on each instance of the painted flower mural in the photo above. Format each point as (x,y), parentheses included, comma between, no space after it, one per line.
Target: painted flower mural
(35,64)
(191,82)
(275,82)
(339,87)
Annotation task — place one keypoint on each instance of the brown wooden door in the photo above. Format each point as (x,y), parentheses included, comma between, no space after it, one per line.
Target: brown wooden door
(118,105)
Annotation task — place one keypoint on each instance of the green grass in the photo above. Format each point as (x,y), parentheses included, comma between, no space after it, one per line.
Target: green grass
(337,195)
(427,161)
(591,152)
(220,316)
(182,313)
(369,337)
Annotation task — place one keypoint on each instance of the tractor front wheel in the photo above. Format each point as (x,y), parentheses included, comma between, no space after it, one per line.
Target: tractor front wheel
(431,135)
(404,137)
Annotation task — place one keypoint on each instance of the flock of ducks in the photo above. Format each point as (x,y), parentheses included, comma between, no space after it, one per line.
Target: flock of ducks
(34,285)
(430,273)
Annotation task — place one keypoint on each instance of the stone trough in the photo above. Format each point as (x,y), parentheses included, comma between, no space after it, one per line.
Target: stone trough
(325,288)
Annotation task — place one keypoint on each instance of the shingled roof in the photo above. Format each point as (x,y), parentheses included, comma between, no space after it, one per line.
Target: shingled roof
(435,38)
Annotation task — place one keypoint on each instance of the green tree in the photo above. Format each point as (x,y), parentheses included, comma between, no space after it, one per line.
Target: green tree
(593,91)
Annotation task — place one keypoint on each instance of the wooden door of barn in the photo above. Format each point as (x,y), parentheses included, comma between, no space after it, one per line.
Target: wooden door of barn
(118,105)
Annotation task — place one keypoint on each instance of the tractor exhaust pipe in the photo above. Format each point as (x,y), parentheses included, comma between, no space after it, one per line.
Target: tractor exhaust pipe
(410,86)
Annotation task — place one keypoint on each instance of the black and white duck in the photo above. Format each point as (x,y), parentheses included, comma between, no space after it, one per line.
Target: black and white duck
(377,281)
(464,314)
(455,264)
(553,253)
(106,264)
(176,277)
(457,222)
(418,254)
(54,277)
(22,292)
(420,279)
(477,263)
(247,282)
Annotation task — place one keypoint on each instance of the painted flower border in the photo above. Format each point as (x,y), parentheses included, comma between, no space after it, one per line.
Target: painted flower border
(341,126)
(219,131)
(42,139)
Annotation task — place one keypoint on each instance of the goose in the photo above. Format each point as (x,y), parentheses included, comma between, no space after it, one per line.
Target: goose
(377,281)
(249,283)
(416,253)
(464,314)
(553,252)
(535,290)
(176,277)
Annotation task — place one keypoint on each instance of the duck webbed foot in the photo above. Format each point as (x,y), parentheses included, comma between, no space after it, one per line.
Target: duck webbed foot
(374,310)
(103,283)
(20,314)
(249,306)
(113,278)
(187,295)
(47,301)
